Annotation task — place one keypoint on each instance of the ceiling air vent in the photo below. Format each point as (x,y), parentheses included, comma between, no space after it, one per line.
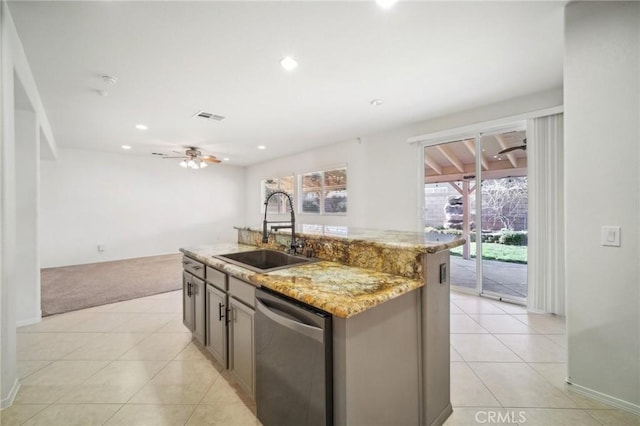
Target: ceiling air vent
(208,116)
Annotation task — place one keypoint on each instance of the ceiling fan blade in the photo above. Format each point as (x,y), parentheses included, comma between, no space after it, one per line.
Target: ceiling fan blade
(210,159)
(513,148)
(182,156)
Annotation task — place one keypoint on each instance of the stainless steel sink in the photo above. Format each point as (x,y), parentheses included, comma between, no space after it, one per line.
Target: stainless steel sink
(264,260)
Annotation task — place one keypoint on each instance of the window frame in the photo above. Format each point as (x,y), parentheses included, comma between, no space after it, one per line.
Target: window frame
(323,191)
(283,208)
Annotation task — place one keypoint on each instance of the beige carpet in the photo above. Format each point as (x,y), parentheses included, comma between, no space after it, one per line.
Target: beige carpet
(69,288)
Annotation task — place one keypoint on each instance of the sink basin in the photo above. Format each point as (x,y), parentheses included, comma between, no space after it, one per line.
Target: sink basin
(264,260)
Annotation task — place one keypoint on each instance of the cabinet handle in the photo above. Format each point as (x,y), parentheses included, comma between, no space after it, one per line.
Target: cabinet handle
(189,289)
(220,313)
(197,267)
(186,262)
(228,316)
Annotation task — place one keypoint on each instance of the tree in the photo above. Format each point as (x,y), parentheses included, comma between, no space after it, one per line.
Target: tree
(504,201)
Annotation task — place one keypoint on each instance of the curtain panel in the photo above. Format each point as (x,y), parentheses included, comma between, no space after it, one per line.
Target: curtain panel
(546,274)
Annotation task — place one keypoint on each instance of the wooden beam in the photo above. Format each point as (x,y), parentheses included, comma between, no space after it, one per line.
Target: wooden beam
(510,155)
(491,174)
(431,163)
(451,157)
(471,146)
(456,187)
(466,219)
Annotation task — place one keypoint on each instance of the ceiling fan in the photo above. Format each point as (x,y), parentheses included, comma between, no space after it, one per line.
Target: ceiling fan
(193,158)
(513,148)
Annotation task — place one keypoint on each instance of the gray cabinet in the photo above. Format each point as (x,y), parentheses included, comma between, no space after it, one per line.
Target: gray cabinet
(219,311)
(198,288)
(217,318)
(242,299)
(241,345)
(188,302)
(193,299)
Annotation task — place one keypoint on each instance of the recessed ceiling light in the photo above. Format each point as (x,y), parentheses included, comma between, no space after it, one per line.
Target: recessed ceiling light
(262,147)
(126,146)
(141,127)
(226,159)
(288,63)
(376,102)
(386,4)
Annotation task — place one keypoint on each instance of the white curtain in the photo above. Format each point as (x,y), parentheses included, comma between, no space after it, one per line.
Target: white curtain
(546,214)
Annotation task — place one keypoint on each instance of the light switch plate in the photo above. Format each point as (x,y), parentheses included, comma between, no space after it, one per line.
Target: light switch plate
(610,236)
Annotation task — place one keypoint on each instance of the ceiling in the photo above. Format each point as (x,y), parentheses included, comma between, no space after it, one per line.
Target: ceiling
(175,58)
(456,161)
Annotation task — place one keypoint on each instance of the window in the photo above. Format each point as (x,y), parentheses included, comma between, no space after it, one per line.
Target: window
(277,204)
(324,192)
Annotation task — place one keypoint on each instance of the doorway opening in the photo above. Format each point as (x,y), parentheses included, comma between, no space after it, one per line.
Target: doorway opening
(476,187)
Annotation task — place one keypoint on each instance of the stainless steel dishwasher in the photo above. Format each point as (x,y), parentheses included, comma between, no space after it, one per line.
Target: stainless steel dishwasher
(294,362)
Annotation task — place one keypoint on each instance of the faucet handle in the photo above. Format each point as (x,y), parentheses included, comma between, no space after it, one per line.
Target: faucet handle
(295,246)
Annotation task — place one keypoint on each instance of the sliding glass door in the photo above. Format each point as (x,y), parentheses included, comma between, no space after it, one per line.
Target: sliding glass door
(476,188)
(503,205)
(450,204)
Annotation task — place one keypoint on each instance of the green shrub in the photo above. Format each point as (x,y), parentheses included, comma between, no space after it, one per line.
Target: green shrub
(513,238)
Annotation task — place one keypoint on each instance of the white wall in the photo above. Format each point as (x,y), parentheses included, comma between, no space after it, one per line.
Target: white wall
(134,205)
(19,280)
(27,149)
(8,370)
(382,169)
(602,175)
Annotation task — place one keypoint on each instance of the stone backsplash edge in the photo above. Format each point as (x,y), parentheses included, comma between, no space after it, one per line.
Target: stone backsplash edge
(405,262)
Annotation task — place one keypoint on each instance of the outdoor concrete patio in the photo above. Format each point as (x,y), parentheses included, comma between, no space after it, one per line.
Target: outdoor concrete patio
(509,279)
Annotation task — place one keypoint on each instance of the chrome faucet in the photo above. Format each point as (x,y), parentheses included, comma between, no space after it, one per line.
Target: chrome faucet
(291,224)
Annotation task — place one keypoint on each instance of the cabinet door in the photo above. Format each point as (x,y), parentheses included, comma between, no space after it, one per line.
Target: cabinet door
(217,324)
(187,302)
(241,348)
(199,313)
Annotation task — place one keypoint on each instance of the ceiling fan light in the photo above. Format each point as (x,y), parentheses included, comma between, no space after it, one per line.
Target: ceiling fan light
(183,163)
(191,163)
(203,165)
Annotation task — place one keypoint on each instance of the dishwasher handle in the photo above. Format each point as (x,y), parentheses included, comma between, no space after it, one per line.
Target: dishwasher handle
(316,333)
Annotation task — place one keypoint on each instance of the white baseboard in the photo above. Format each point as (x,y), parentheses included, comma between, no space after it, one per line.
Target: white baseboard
(30,321)
(6,402)
(607,399)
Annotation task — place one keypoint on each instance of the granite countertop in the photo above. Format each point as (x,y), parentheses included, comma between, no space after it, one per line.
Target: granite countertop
(419,242)
(341,290)
(392,252)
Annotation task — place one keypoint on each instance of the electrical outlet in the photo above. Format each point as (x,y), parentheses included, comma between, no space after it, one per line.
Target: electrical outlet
(443,273)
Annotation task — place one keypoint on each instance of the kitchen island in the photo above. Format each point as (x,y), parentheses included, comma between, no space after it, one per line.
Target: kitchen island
(389,297)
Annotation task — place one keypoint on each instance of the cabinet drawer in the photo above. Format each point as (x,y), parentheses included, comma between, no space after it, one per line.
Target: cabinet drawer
(242,291)
(217,278)
(193,267)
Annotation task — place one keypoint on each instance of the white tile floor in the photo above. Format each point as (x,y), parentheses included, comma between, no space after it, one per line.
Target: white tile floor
(133,363)
(511,365)
(128,363)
